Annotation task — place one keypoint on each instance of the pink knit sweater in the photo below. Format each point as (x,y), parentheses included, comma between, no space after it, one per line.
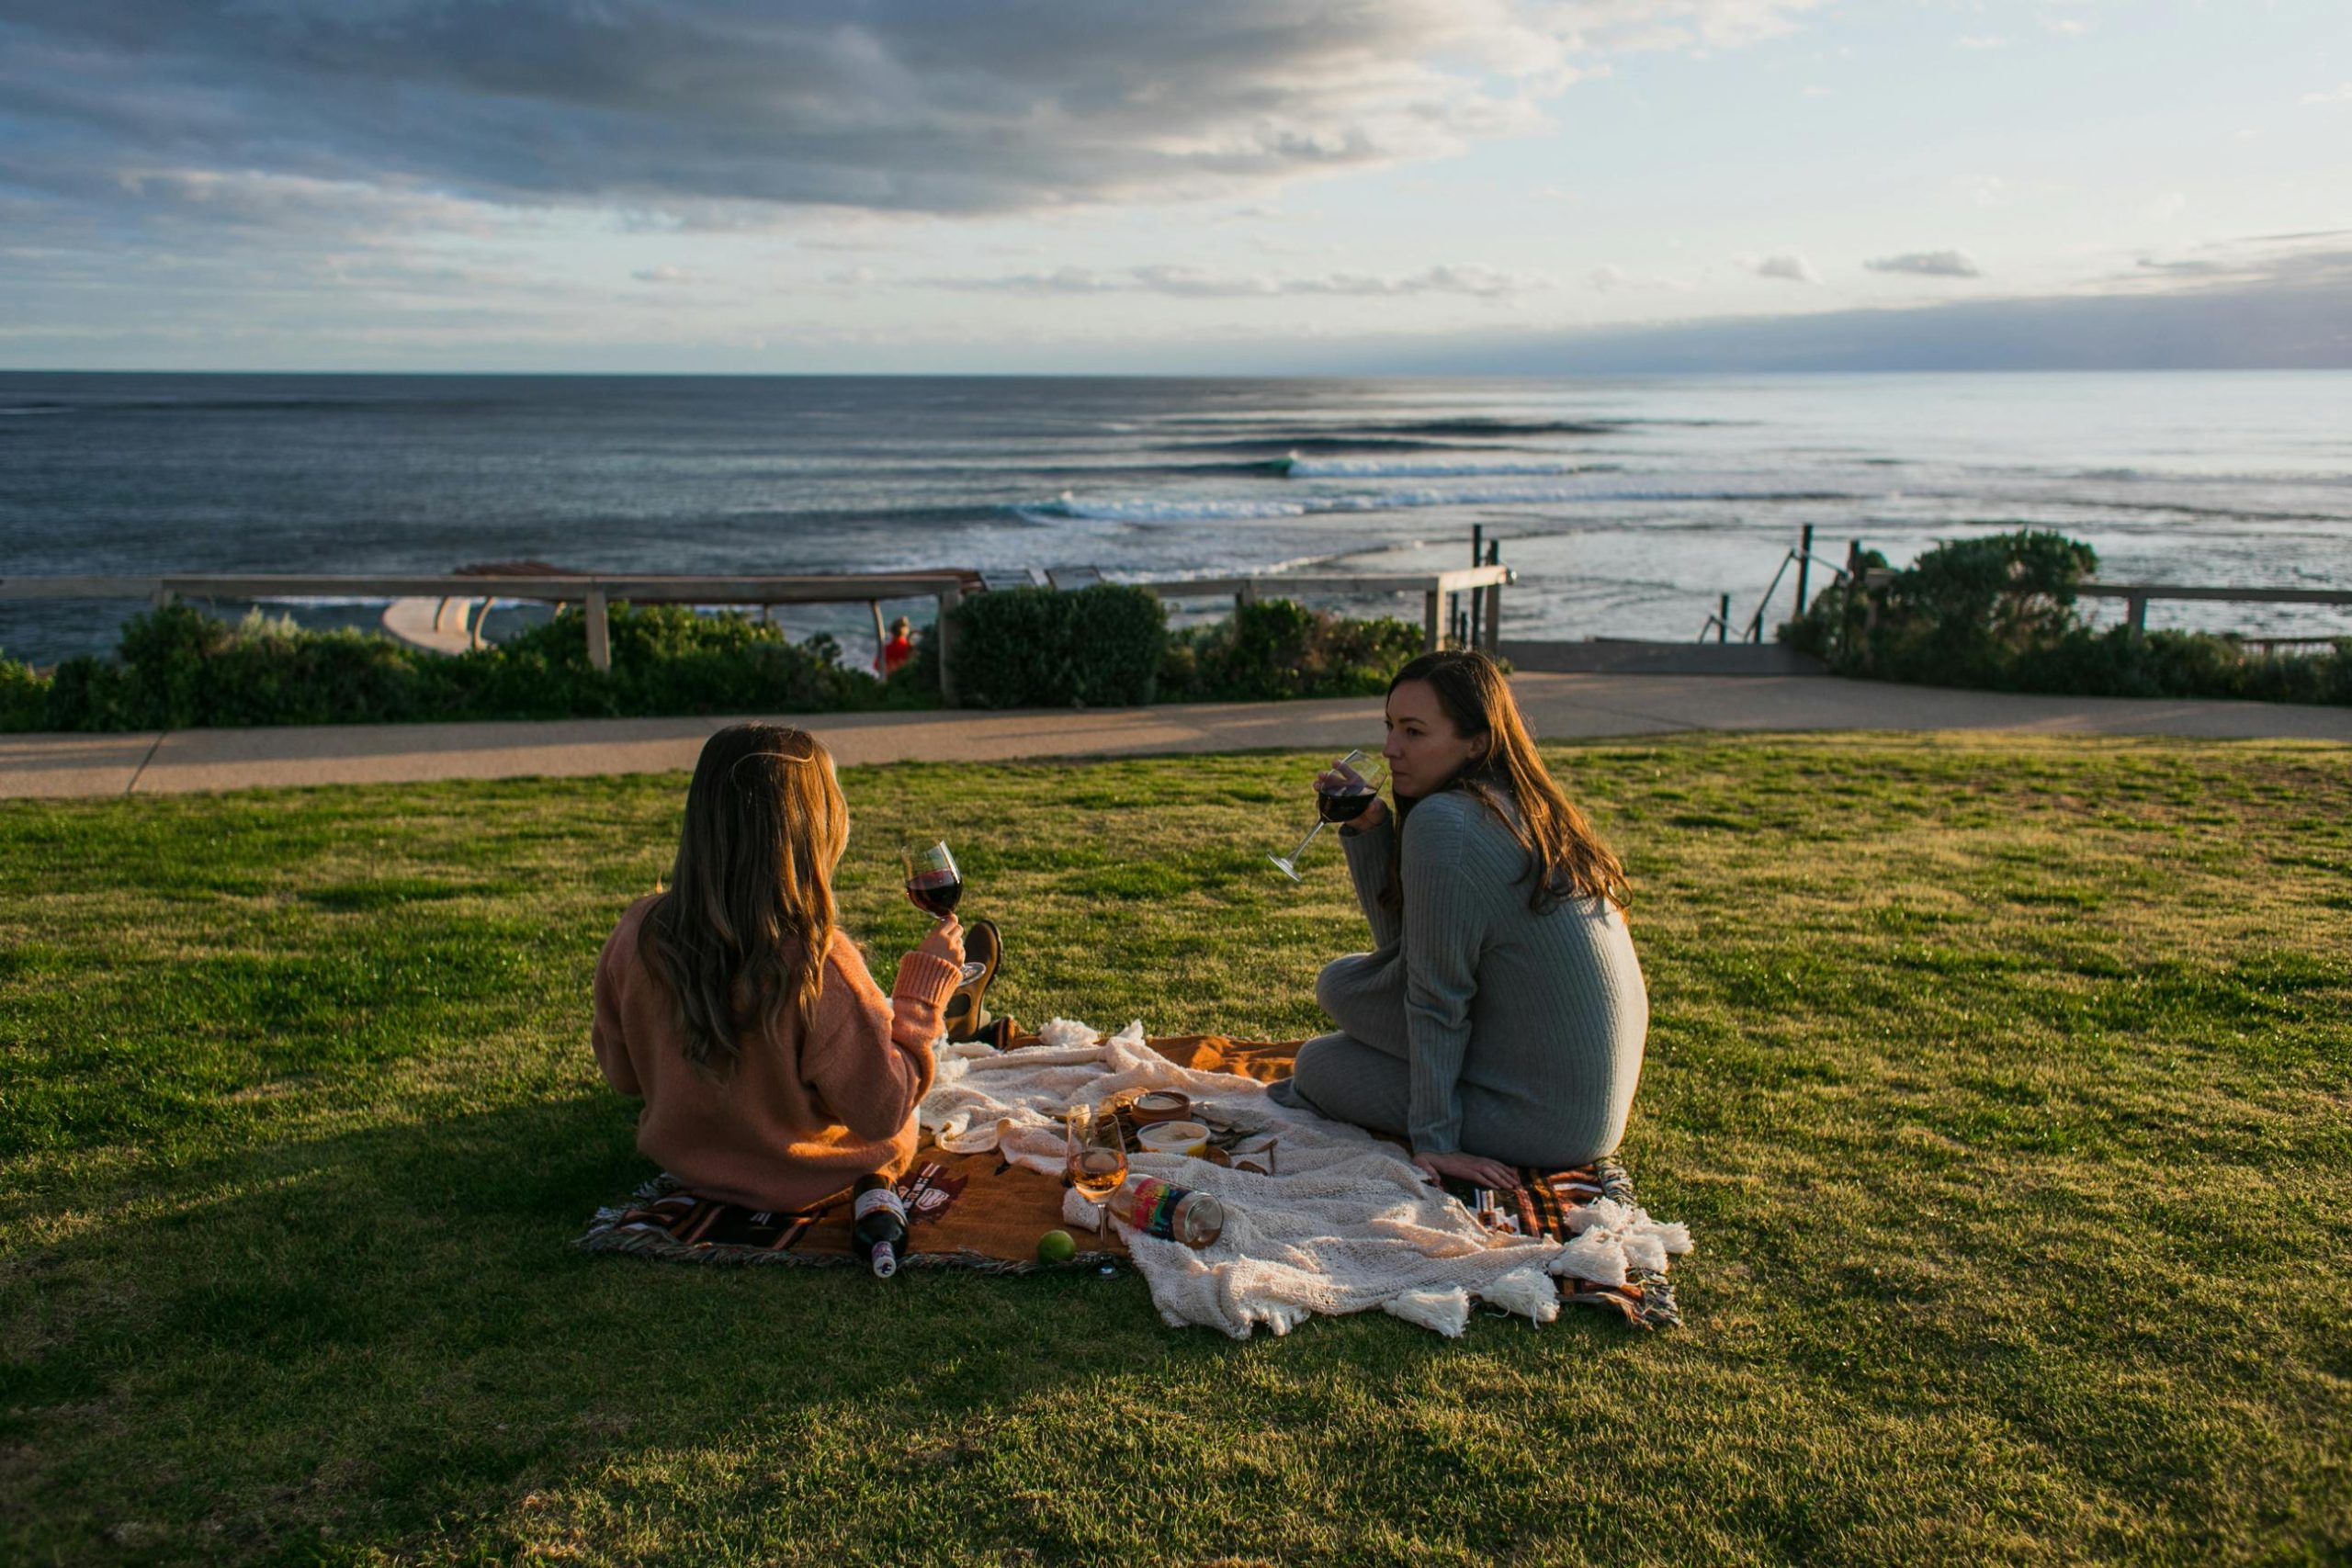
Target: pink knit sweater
(801,1116)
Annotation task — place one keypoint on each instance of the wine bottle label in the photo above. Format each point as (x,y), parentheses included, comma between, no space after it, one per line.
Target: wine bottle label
(877,1197)
(1153,1210)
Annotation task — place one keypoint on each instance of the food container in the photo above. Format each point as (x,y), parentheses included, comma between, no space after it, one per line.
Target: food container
(1160,1105)
(1174,1138)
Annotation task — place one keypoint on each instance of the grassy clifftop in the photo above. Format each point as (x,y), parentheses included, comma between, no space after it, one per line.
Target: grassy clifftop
(2004,1084)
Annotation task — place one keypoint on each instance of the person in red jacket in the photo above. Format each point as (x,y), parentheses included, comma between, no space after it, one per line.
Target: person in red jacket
(897,651)
(774,1071)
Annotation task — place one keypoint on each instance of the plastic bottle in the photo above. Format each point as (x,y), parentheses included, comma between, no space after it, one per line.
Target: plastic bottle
(1172,1214)
(879,1225)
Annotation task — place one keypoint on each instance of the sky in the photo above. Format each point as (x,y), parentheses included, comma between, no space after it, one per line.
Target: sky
(1198,188)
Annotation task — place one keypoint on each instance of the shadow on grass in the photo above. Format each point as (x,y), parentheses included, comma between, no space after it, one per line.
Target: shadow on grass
(386,1335)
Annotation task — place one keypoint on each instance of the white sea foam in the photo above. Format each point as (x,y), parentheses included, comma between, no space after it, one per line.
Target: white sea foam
(1184,509)
(2222,479)
(1297,467)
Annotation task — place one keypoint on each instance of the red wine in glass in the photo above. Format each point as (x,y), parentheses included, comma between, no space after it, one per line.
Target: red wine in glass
(935,885)
(1343,805)
(936,891)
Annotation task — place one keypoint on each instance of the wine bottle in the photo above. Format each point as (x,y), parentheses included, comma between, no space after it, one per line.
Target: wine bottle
(879,1225)
(1172,1214)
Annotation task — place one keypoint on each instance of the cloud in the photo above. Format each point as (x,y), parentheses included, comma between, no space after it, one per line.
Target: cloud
(1197,282)
(666,274)
(1981,41)
(690,108)
(1786,267)
(2315,260)
(2244,304)
(2342,94)
(1927,264)
(2064,27)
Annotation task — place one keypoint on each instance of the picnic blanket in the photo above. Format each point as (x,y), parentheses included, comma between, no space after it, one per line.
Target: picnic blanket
(1347,1224)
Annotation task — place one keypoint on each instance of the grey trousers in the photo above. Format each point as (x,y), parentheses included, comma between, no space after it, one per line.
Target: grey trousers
(1361,1073)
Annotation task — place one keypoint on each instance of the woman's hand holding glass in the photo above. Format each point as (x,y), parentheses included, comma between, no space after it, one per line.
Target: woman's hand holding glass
(1341,794)
(1344,781)
(935,885)
(945,940)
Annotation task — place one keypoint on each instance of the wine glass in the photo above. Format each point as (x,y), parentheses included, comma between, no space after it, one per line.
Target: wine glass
(934,884)
(1094,1153)
(1345,803)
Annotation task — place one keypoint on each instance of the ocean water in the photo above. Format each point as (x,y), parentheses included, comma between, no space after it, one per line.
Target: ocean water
(1628,505)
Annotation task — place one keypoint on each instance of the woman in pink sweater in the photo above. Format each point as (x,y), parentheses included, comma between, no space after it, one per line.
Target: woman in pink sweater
(774,1070)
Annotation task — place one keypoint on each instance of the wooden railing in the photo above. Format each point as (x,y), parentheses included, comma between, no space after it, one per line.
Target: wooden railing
(1433,587)
(2137,596)
(596,594)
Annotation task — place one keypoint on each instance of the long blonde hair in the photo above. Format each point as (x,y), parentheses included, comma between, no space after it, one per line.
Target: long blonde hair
(1566,858)
(742,934)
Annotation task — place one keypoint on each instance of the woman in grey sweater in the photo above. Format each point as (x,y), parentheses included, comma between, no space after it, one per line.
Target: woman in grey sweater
(1498,1020)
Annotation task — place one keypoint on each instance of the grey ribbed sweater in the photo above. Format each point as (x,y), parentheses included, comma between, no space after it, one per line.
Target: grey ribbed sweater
(1542,1017)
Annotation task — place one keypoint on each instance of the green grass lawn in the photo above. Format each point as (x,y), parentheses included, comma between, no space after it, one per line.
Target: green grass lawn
(2006,1086)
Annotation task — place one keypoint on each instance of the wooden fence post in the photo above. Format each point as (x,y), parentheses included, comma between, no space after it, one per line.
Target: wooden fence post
(600,633)
(1429,643)
(1494,597)
(948,599)
(1477,598)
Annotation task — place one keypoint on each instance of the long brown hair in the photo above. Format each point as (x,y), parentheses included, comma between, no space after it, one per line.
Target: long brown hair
(742,932)
(1566,858)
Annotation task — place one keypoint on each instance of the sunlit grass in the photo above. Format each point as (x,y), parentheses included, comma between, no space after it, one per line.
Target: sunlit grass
(2006,1086)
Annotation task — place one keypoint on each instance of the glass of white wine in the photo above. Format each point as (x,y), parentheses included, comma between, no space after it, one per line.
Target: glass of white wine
(1095,1156)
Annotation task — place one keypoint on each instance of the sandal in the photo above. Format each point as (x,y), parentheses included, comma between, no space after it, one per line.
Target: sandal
(964,1016)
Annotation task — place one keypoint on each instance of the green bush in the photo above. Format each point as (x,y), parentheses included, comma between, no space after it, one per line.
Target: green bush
(23,696)
(1107,646)
(1999,613)
(180,669)
(1278,649)
(1099,647)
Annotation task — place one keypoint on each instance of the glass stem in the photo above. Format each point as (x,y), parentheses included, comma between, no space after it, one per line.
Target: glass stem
(1311,833)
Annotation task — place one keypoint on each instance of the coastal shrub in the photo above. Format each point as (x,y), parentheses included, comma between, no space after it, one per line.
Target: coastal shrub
(177,667)
(915,683)
(1278,648)
(23,696)
(180,669)
(1099,647)
(2000,613)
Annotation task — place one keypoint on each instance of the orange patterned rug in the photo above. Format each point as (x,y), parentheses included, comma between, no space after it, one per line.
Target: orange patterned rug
(980,1212)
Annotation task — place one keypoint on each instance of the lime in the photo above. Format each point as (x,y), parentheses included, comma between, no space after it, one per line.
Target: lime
(1055,1246)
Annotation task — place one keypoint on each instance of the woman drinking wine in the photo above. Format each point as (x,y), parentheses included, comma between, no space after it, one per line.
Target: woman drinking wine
(1499,1018)
(774,1070)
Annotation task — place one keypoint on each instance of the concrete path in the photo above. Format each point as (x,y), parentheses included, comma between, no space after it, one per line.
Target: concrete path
(1559,707)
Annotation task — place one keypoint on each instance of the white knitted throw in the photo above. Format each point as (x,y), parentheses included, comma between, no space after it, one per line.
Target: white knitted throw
(1348,1225)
